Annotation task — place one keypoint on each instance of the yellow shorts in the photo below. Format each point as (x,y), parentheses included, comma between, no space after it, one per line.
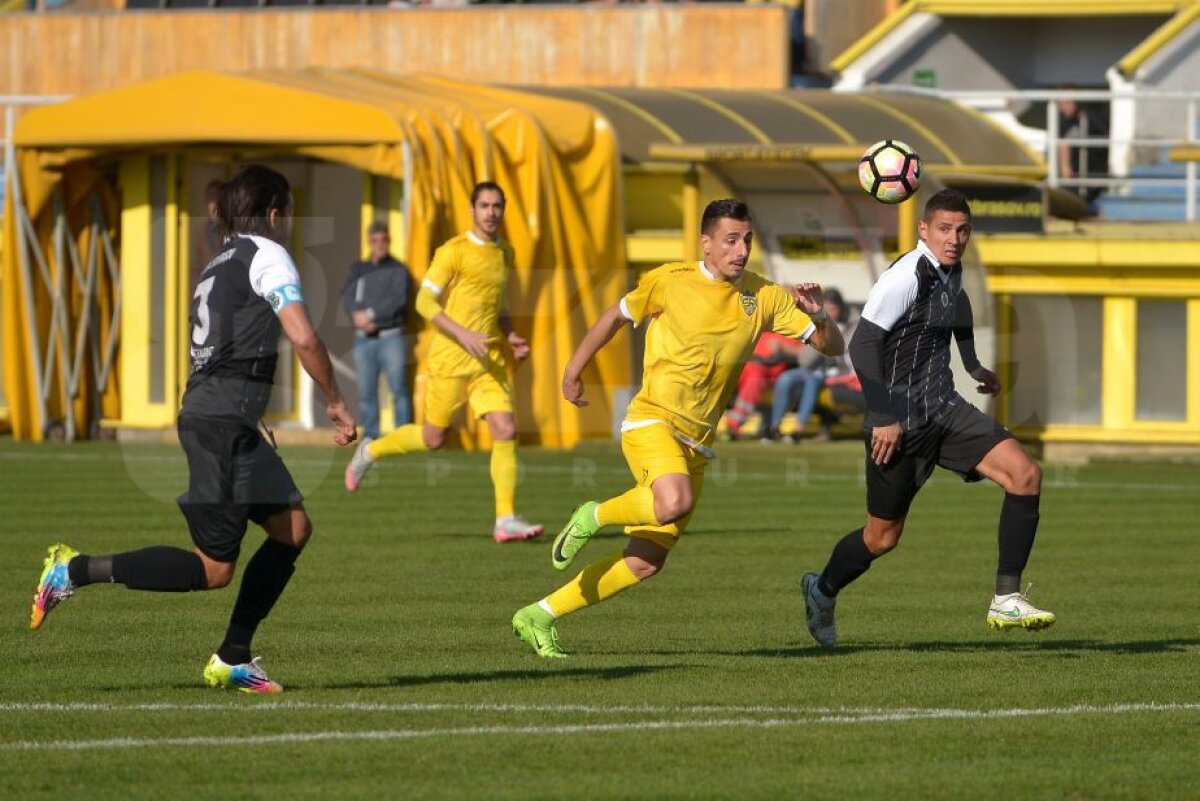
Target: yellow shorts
(486,392)
(652,452)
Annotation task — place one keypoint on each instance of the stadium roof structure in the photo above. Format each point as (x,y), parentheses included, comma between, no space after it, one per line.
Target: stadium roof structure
(558,151)
(1004,8)
(657,125)
(557,160)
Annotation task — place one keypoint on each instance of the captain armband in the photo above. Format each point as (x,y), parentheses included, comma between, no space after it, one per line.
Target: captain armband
(284,296)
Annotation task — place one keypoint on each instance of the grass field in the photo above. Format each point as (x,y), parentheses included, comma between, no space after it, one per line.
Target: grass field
(404,680)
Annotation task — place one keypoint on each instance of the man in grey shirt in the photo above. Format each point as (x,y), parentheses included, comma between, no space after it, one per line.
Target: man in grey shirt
(377,297)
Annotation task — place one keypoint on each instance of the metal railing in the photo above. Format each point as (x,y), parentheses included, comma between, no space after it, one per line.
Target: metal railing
(1002,107)
(10,104)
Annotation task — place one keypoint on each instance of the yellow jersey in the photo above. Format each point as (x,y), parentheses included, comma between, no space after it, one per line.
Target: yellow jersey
(700,332)
(469,276)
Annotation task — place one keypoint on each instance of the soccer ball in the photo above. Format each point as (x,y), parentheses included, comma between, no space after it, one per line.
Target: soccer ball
(890,171)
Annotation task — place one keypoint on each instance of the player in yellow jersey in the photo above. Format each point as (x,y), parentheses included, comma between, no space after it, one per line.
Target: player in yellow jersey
(703,320)
(464,296)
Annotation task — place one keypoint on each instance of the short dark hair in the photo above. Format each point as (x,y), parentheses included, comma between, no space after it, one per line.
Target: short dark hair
(726,208)
(379,227)
(245,201)
(487,186)
(947,200)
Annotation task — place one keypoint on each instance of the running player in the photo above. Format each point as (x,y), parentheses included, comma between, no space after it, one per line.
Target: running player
(247,294)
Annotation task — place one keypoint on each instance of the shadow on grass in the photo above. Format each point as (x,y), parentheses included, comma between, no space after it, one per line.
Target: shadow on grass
(1072,648)
(548,672)
(1065,648)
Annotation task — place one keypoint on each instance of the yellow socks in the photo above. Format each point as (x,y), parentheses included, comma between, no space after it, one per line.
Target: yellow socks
(597,582)
(634,508)
(405,439)
(504,476)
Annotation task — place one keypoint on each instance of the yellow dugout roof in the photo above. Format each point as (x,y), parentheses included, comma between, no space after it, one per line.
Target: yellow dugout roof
(557,161)
(835,126)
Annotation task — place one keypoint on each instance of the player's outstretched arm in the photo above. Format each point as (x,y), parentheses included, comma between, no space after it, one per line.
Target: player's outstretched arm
(599,335)
(314,358)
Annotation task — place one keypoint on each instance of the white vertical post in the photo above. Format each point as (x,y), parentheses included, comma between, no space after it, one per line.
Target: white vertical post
(1190,169)
(308,419)
(1052,143)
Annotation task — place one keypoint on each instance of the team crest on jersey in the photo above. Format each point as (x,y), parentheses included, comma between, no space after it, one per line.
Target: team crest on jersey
(749,302)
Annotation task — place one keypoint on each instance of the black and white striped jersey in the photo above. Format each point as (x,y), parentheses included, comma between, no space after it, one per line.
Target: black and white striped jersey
(234,329)
(918,304)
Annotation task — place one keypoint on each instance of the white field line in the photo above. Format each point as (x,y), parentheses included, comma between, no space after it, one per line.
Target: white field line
(840,718)
(832,476)
(358,706)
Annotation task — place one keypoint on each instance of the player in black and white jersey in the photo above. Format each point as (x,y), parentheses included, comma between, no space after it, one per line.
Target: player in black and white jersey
(245,297)
(916,421)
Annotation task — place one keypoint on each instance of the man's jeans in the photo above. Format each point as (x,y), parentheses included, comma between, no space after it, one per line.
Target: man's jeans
(387,355)
(798,385)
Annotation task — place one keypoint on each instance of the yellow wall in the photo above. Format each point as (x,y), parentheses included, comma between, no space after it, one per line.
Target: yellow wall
(1121,272)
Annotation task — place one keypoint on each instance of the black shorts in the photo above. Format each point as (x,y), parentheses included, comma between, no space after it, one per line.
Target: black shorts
(234,476)
(957,442)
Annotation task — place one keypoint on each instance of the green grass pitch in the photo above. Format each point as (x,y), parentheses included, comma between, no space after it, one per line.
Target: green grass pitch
(405,681)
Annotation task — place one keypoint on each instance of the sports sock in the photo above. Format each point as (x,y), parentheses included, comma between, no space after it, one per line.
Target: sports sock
(1018,527)
(263,582)
(405,439)
(84,570)
(849,560)
(159,568)
(634,508)
(597,582)
(504,476)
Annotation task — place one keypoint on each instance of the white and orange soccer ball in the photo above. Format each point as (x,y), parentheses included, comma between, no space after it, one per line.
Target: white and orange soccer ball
(890,171)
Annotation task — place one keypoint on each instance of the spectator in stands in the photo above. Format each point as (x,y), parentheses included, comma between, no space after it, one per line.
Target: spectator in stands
(377,297)
(1082,121)
(773,354)
(799,388)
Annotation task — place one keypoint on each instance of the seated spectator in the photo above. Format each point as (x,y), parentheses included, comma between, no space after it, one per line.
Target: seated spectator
(799,388)
(773,354)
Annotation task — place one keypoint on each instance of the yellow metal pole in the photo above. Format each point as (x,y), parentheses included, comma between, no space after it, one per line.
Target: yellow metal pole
(1119,363)
(1004,334)
(906,225)
(1193,362)
(366,214)
(134,374)
(691,214)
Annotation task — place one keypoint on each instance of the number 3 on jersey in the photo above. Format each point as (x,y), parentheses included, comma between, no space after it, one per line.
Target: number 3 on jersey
(203,319)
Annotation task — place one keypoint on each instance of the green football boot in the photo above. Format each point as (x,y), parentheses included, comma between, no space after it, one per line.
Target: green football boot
(535,626)
(575,534)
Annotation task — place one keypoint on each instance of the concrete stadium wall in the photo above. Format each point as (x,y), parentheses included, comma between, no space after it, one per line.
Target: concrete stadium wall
(722,46)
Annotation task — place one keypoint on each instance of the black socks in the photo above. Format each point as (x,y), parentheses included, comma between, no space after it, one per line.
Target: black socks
(159,568)
(85,570)
(1018,526)
(849,560)
(263,582)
